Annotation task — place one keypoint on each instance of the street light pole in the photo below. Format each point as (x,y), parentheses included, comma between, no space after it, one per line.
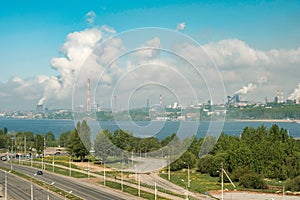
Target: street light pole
(155,190)
(25,146)
(122,188)
(12,153)
(48,196)
(88,168)
(139,183)
(5,189)
(31,188)
(70,167)
(187,190)
(44,166)
(103,172)
(222,179)
(188,179)
(53,163)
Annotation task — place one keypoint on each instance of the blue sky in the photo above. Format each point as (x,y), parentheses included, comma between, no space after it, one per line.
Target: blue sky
(32,32)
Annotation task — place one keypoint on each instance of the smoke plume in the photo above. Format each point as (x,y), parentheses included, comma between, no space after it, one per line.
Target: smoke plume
(251,86)
(41,101)
(295,94)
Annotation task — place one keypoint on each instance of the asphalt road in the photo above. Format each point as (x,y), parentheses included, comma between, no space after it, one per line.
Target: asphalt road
(19,188)
(78,188)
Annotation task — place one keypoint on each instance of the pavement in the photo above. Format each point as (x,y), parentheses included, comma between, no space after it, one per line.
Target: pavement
(254,196)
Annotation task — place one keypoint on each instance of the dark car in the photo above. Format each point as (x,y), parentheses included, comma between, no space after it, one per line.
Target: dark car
(39,173)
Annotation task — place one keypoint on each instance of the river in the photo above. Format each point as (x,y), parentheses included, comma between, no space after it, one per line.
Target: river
(139,128)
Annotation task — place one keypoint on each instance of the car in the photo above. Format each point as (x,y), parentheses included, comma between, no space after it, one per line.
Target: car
(39,172)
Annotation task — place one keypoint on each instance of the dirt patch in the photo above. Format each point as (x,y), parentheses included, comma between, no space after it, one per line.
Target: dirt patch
(93,167)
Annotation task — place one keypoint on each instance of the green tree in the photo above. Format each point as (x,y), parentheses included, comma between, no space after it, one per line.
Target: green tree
(50,139)
(39,143)
(103,146)
(84,133)
(75,146)
(187,159)
(4,139)
(63,138)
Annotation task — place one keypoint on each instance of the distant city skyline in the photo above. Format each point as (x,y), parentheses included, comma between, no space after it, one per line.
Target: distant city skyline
(254,44)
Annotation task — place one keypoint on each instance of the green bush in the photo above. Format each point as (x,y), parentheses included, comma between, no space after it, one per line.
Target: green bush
(293,184)
(252,180)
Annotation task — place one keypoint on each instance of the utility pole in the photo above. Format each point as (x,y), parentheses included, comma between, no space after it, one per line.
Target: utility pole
(222,179)
(25,145)
(70,167)
(169,170)
(5,190)
(155,190)
(122,188)
(12,153)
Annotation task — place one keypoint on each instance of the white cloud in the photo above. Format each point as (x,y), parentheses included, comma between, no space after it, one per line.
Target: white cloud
(148,50)
(180,26)
(90,17)
(238,62)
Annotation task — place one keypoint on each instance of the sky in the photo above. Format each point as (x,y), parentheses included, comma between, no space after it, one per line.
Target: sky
(255,46)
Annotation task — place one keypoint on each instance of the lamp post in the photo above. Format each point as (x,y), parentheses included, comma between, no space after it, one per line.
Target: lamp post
(103,172)
(222,179)
(53,163)
(188,179)
(67,194)
(12,153)
(155,190)
(70,166)
(31,188)
(169,168)
(44,165)
(162,158)
(186,192)
(48,196)
(122,188)
(5,185)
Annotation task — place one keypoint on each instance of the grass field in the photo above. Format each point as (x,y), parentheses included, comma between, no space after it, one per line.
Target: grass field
(199,183)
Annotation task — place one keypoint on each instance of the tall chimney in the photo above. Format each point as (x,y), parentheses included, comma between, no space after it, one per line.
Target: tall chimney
(282,99)
(160,100)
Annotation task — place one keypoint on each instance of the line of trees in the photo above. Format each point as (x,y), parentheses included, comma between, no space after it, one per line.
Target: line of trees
(257,154)
(272,111)
(28,142)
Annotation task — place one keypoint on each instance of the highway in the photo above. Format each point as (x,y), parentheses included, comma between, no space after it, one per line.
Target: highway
(78,188)
(19,188)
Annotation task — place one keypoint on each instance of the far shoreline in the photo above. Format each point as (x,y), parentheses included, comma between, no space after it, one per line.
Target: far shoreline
(267,120)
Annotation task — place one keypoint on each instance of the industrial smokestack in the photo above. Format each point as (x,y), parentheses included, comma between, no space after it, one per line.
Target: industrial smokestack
(39,109)
(88,98)
(160,100)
